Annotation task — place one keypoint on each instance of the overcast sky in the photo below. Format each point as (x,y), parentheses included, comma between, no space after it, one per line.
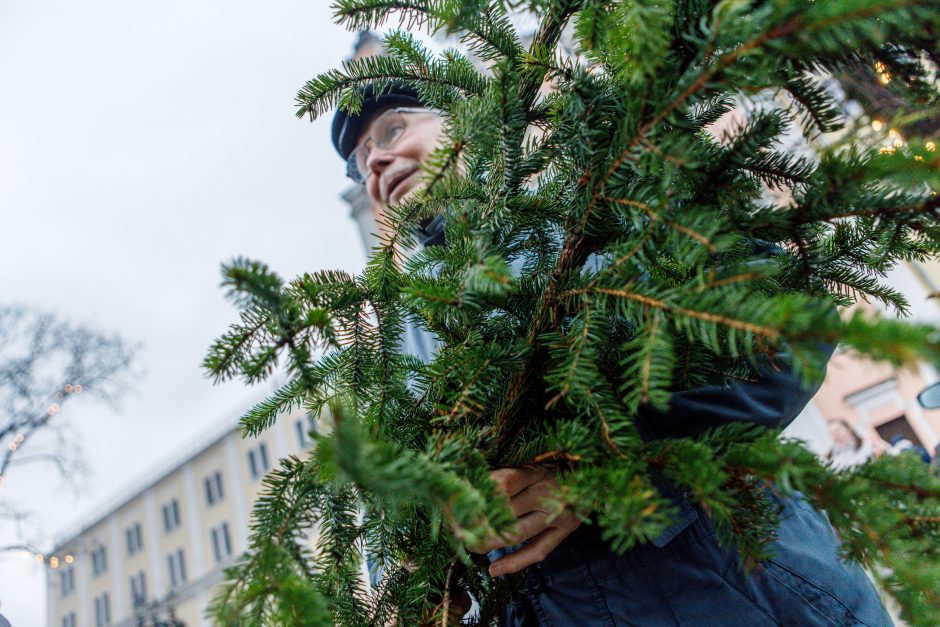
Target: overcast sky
(141,145)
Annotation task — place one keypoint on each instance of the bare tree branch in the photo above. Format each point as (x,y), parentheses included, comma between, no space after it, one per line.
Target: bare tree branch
(46,365)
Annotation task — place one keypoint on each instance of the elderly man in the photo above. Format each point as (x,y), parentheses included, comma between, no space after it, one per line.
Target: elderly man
(683,577)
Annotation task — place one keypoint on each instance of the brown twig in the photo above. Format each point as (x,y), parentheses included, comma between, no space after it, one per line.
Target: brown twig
(734,323)
(655,217)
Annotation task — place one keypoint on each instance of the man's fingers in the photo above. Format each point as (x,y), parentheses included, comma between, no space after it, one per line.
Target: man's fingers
(527,526)
(532,553)
(528,488)
(532,499)
(514,480)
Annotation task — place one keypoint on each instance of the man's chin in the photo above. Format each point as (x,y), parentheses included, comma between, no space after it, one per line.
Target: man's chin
(409,194)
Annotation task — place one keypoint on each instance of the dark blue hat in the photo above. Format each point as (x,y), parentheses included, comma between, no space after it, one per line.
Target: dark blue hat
(346,126)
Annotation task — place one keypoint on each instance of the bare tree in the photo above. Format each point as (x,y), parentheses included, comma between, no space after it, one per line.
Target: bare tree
(46,363)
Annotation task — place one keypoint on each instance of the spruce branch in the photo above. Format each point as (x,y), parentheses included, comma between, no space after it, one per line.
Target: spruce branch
(817,104)
(265,413)
(741,325)
(655,217)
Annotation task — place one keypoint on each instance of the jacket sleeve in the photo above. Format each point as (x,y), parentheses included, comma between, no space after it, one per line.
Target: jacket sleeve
(774,399)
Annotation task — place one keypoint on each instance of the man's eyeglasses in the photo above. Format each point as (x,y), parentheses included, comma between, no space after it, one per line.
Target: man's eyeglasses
(387,130)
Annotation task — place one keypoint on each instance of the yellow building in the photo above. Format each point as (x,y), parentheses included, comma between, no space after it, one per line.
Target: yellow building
(164,542)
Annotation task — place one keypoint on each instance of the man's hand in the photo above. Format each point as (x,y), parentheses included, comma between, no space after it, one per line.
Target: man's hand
(537,521)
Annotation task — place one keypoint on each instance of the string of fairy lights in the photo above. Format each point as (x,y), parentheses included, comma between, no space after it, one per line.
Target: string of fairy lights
(894,139)
(51,411)
(53,561)
(54,408)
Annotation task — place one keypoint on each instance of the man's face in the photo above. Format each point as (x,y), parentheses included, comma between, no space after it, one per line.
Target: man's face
(394,173)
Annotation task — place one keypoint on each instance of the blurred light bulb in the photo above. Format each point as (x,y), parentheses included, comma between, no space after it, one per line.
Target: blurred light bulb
(69,559)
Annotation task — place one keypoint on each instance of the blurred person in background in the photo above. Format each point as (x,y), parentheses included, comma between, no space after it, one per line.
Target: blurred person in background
(849,448)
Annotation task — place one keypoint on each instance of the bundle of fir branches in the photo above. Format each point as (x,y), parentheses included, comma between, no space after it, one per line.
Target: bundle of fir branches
(604,249)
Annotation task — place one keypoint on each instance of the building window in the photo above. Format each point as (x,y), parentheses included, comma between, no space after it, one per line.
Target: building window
(67,581)
(99,561)
(213,486)
(303,426)
(900,427)
(68,620)
(258,460)
(138,589)
(135,539)
(102,610)
(171,516)
(177,568)
(221,542)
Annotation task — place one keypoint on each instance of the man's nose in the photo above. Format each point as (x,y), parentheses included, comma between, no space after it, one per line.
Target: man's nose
(378,160)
